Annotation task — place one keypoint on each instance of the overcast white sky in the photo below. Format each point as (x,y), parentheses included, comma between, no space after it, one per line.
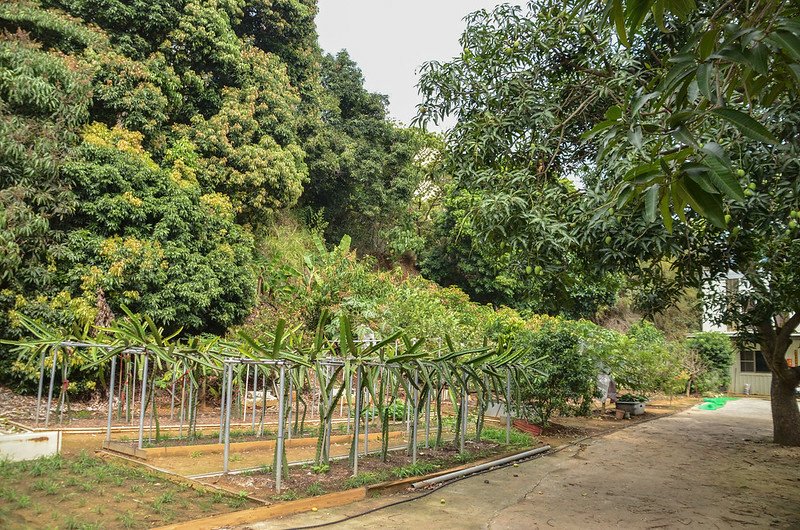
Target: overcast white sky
(390,39)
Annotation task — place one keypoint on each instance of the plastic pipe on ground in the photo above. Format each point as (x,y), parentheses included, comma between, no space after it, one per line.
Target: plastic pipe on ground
(480,467)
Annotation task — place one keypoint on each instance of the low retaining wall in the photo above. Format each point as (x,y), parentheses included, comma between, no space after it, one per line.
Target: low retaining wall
(29,445)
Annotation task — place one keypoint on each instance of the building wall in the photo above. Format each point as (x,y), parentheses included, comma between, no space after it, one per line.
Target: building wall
(759,381)
(718,286)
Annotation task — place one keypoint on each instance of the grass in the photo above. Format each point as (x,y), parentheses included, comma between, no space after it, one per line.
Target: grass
(463,458)
(315,489)
(364,479)
(414,470)
(82,491)
(288,495)
(517,438)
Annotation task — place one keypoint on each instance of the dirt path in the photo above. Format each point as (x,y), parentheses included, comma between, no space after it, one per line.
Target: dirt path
(711,469)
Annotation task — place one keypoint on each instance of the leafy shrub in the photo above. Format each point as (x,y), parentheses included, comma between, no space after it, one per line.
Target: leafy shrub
(641,360)
(568,383)
(716,351)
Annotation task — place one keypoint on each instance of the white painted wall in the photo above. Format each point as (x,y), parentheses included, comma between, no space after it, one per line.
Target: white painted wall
(29,445)
(716,286)
(759,381)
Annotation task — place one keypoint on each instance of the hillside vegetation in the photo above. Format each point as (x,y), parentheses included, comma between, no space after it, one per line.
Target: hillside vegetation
(206,164)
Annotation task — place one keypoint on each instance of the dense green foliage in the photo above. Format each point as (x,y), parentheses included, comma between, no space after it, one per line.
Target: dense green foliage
(693,117)
(146,148)
(569,383)
(716,352)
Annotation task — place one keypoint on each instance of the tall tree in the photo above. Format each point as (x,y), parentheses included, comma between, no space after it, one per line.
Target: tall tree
(727,167)
(523,90)
(362,167)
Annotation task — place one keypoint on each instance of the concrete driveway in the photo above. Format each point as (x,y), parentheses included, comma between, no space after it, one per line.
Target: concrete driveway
(711,469)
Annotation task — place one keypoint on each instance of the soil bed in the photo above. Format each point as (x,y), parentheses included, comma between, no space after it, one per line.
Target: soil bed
(305,482)
(86,492)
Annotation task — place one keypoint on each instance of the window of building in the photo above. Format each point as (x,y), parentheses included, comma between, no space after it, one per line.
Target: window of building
(752,361)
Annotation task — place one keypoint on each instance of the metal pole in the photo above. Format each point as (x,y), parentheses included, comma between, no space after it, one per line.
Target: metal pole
(508,405)
(144,396)
(464,398)
(244,398)
(349,391)
(428,418)
(416,420)
(228,397)
(50,391)
(408,417)
(263,404)
(183,396)
(191,412)
(150,412)
(356,422)
(111,396)
(366,423)
(41,386)
(279,445)
(133,382)
(291,410)
(255,385)
(222,398)
(172,396)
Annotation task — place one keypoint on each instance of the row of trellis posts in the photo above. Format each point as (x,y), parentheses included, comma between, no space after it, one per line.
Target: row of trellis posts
(378,376)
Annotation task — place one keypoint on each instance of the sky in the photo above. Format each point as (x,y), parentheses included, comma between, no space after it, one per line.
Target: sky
(391,39)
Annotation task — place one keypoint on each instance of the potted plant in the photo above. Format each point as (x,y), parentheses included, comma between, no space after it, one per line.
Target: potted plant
(631,403)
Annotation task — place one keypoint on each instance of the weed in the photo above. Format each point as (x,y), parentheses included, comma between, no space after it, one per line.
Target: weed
(315,489)
(72,523)
(499,436)
(288,495)
(47,486)
(236,458)
(23,501)
(8,469)
(46,465)
(463,458)
(217,497)
(195,454)
(414,470)
(363,479)
(238,501)
(320,469)
(137,488)
(127,519)
(166,498)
